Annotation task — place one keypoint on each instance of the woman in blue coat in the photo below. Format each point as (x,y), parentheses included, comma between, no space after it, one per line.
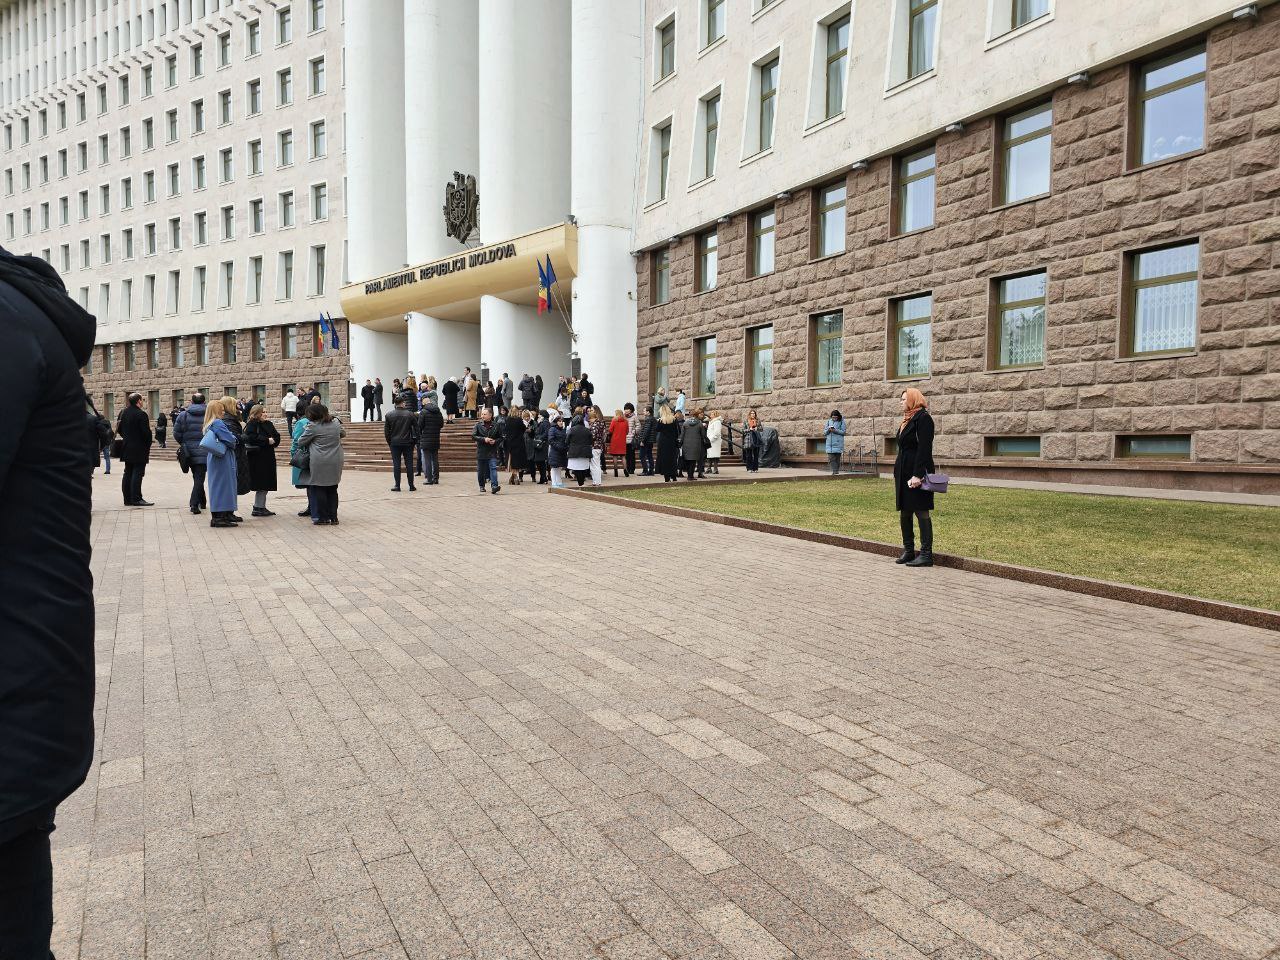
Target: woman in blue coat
(221,468)
(299,428)
(833,438)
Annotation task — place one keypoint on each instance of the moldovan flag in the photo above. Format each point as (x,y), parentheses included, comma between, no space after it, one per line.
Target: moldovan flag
(544,288)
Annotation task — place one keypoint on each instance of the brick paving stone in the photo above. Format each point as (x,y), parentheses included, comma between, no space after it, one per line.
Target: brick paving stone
(349,742)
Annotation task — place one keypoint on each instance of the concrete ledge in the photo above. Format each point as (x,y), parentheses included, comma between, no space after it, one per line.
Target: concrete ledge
(1196,606)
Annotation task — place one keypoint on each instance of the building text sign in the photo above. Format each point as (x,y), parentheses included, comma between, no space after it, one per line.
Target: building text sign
(442,268)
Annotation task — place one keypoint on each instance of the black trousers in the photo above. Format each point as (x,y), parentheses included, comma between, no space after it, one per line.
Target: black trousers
(631,459)
(751,457)
(402,453)
(288,421)
(689,467)
(26,892)
(379,411)
(198,471)
(368,410)
(326,501)
(131,482)
(908,534)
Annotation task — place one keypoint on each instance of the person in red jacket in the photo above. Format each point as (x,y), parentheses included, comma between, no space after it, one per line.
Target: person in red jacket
(617,447)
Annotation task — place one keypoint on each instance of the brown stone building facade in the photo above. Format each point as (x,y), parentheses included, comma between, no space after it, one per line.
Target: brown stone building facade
(1122,326)
(261,362)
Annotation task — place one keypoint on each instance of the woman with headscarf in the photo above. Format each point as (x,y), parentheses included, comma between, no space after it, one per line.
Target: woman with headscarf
(914,460)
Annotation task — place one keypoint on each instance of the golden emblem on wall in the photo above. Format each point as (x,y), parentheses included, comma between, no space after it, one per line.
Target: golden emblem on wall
(461,206)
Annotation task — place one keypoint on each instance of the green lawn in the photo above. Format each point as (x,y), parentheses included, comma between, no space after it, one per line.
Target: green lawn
(1217,551)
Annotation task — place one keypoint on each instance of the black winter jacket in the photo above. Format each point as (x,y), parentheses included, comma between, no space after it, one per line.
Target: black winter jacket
(400,427)
(579,440)
(46,589)
(484,431)
(430,423)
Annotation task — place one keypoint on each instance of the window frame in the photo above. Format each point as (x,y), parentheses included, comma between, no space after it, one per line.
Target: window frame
(1138,99)
(751,348)
(815,341)
(656,366)
(659,267)
(917,9)
(769,99)
(999,176)
(832,58)
(755,237)
(995,320)
(710,8)
(991,447)
(902,181)
(1129,299)
(896,304)
(702,249)
(700,356)
(665,40)
(1123,447)
(820,210)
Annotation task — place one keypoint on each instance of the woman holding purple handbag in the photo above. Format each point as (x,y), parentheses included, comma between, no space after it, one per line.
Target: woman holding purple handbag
(910,471)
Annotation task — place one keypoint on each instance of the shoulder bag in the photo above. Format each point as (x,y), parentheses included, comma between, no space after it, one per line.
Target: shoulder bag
(935,482)
(300,458)
(211,443)
(184,458)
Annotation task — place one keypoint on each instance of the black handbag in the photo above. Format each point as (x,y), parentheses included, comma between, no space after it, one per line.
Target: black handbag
(184,459)
(301,458)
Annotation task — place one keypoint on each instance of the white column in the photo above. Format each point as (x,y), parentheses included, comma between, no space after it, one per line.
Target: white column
(515,340)
(524,116)
(375,164)
(440,137)
(607,75)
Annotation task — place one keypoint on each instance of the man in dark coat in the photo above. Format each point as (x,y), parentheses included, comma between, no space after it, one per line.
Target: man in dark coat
(162,428)
(430,423)
(528,392)
(366,394)
(487,436)
(507,391)
(401,431)
(135,434)
(188,430)
(46,589)
(377,395)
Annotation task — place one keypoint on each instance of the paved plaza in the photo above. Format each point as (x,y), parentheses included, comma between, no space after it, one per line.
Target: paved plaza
(528,726)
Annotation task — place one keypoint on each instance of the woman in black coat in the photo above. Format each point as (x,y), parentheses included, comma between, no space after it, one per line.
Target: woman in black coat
(668,433)
(914,460)
(134,431)
(539,443)
(450,391)
(260,441)
(517,458)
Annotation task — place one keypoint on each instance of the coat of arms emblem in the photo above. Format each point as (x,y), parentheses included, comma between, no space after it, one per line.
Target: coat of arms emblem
(461,206)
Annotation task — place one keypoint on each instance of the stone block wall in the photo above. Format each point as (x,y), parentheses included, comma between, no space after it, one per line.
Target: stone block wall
(332,367)
(1225,392)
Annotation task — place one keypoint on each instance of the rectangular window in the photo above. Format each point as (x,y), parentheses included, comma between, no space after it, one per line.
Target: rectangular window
(826,349)
(197,60)
(153,354)
(147,89)
(203,351)
(664,160)
(317,139)
(148,134)
(224,107)
(284,148)
(284,87)
(130,356)
(227,171)
(230,351)
(715,21)
(197,173)
(126,143)
(1018,325)
(1024,11)
(667,49)
(829,219)
(319,202)
(917,176)
(1155,447)
(252,38)
(260,338)
(179,353)
(768,101)
(704,367)
(1011,446)
(317,76)
(259,394)
(104,150)
(255,284)
(762,233)
(253,94)
(149,186)
(707,262)
(1171,106)
(710,134)
(124,91)
(175,183)
(228,222)
(175,233)
(317,270)
(837,65)
(284,275)
(257,221)
(659,360)
(1162,299)
(171,122)
(226,284)
(255,157)
(286,208)
(760,359)
(109,359)
(102,108)
(174,292)
(224,49)
(201,229)
(910,336)
(126,240)
(289,342)
(149,239)
(1026,154)
(104,199)
(284,25)
(661,282)
(317,15)
(199,288)
(922,26)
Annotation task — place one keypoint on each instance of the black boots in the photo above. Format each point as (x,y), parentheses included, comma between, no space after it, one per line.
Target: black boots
(923,559)
(907,555)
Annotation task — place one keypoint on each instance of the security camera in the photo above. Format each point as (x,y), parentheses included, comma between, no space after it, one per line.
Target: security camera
(406,317)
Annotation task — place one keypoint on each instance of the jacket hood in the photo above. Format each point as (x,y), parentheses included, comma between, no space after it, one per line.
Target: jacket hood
(40,283)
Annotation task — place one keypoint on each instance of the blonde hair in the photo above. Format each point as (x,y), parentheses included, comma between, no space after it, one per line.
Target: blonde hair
(617,413)
(229,404)
(431,383)
(665,414)
(255,412)
(714,414)
(411,383)
(212,411)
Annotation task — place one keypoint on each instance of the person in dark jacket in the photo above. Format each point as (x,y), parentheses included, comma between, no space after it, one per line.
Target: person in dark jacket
(366,394)
(430,423)
(537,391)
(487,436)
(539,431)
(646,436)
(162,428)
(100,433)
(401,431)
(135,434)
(517,456)
(580,445)
(528,392)
(188,429)
(46,589)
(260,441)
(914,460)
(377,395)
(450,391)
(668,434)
(557,449)
(693,446)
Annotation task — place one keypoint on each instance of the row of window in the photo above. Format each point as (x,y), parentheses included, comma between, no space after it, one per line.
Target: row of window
(254,155)
(1168,113)
(1158,317)
(111,402)
(1138,446)
(256,210)
(150,238)
(147,354)
(254,291)
(195,57)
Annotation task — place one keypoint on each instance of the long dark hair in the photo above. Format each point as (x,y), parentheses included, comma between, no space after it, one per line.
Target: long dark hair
(319,413)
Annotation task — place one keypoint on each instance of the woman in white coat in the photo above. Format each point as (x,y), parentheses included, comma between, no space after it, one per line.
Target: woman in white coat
(715,430)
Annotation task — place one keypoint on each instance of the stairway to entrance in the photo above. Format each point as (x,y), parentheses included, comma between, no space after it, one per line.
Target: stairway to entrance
(366,447)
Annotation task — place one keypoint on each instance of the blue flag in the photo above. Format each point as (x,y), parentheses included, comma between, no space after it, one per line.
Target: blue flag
(333,332)
(551,273)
